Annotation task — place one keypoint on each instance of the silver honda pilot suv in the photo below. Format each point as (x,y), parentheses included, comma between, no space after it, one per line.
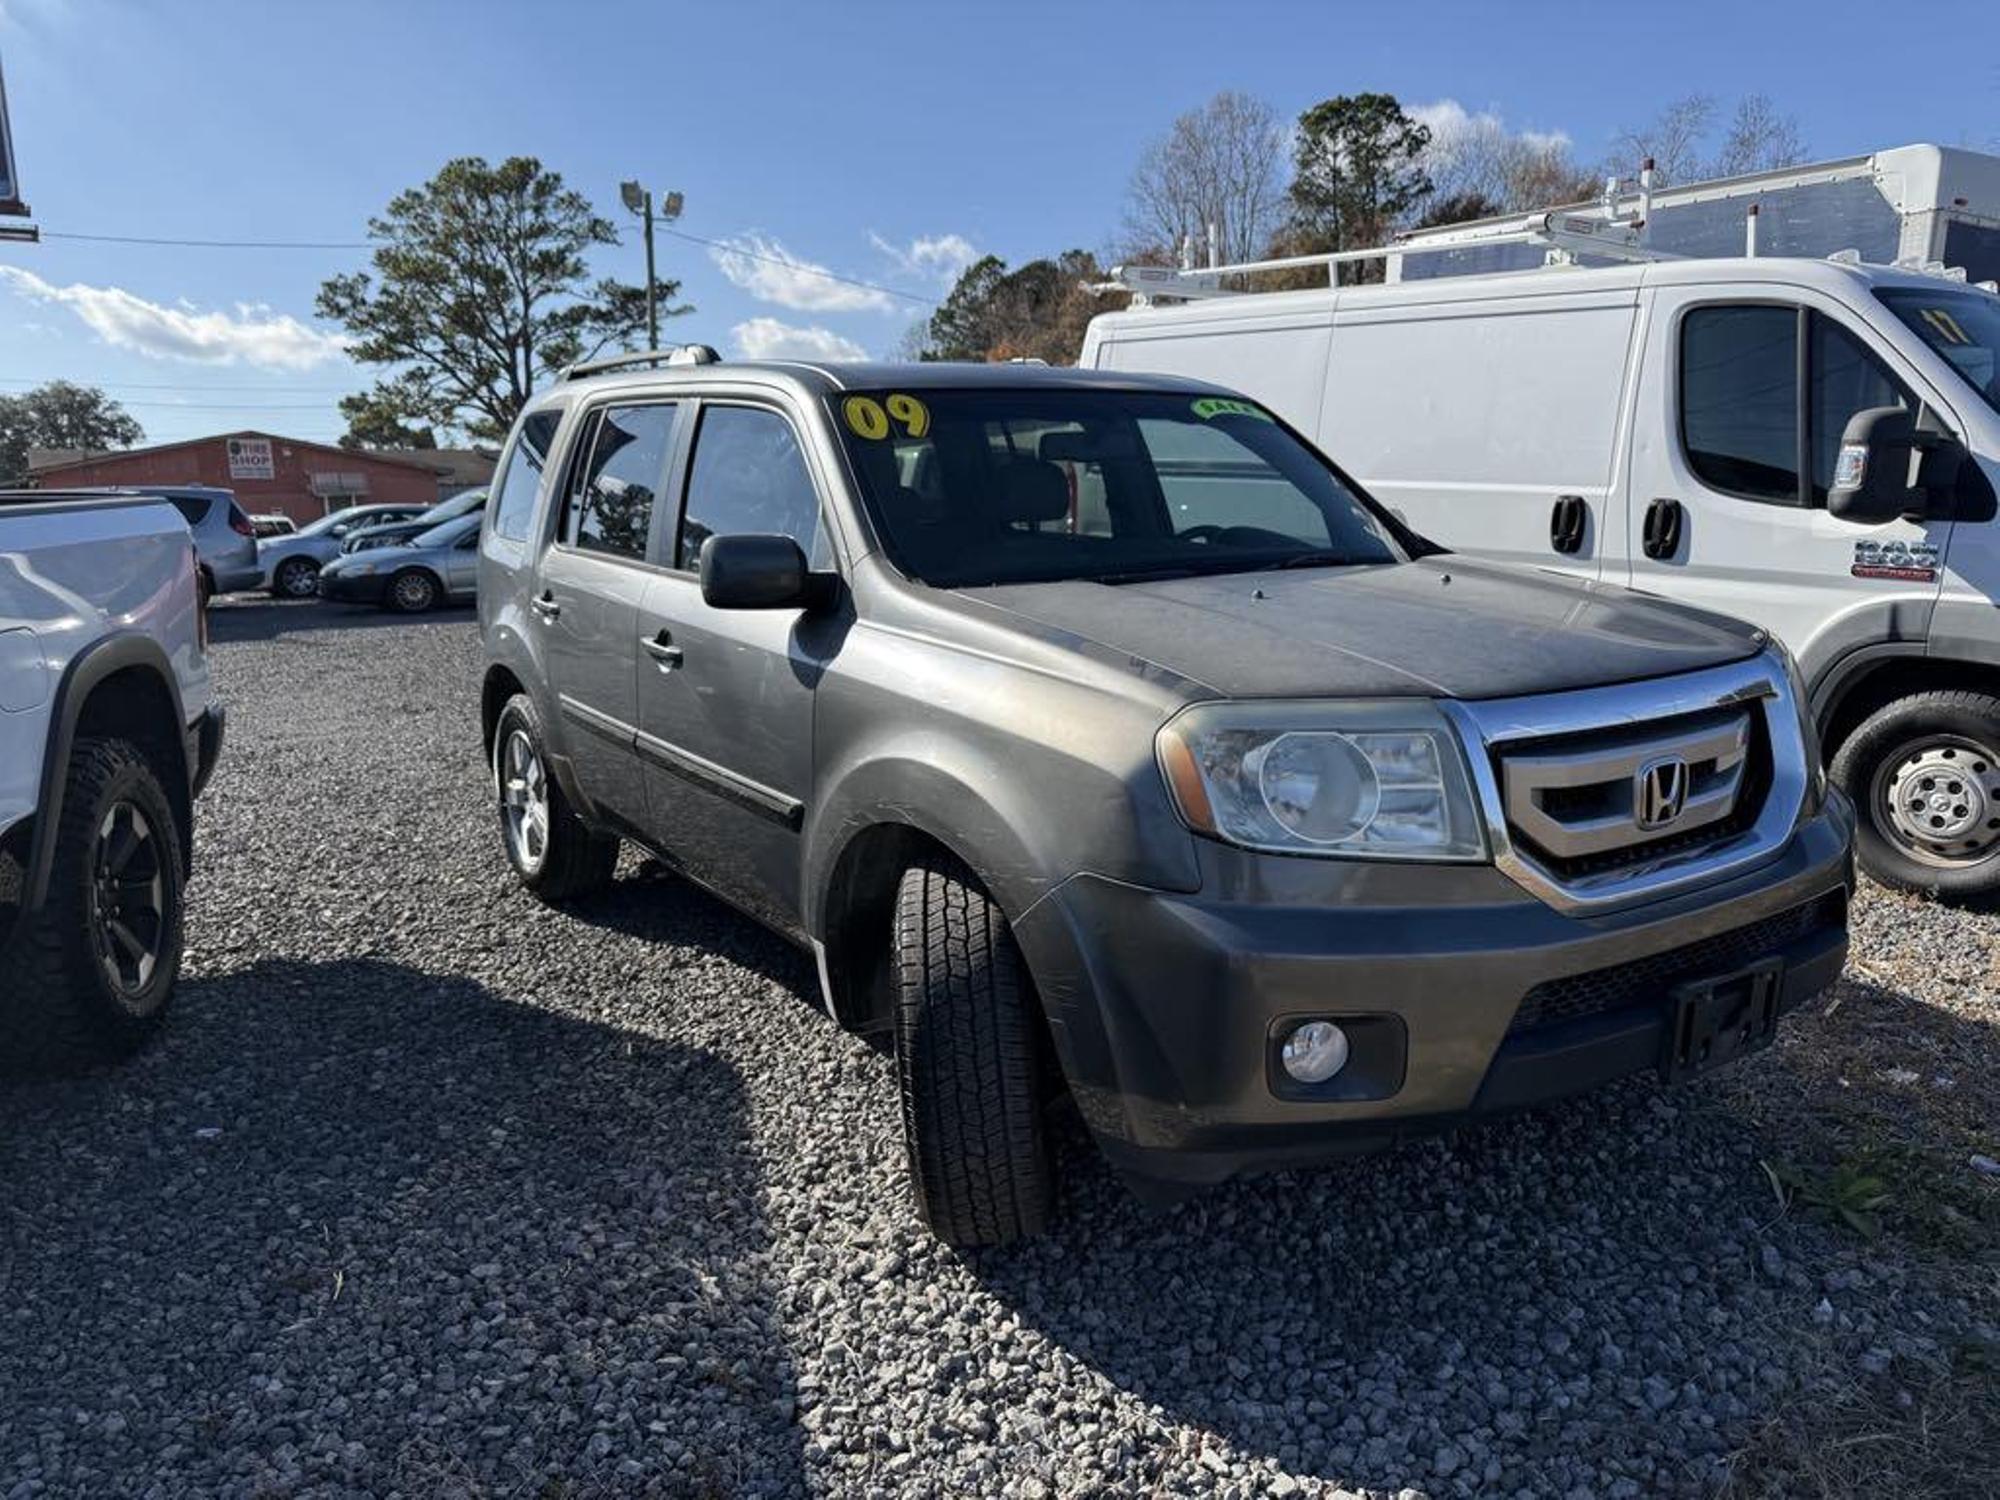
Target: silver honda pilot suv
(1103,742)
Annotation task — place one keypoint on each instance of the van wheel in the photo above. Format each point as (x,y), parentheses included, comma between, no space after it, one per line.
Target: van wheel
(967,1062)
(1924,772)
(90,975)
(553,851)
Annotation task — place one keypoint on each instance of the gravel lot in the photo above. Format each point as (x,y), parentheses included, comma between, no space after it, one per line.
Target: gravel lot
(432,1190)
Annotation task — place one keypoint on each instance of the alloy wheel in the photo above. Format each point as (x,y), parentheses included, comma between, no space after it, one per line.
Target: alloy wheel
(128,909)
(524,799)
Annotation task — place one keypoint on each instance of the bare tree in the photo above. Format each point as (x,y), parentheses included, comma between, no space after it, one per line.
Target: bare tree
(1673,140)
(1476,158)
(1759,139)
(1217,164)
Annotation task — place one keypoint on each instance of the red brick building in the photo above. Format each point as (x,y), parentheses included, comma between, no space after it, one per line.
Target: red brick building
(270,474)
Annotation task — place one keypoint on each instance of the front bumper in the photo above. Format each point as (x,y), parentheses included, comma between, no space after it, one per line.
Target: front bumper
(352,588)
(1167,1009)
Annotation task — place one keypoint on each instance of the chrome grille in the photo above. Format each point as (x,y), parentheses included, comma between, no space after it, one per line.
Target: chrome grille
(1586,798)
(1546,770)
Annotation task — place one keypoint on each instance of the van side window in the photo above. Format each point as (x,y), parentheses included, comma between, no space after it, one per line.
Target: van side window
(748,477)
(516,488)
(612,509)
(1740,400)
(1846,378)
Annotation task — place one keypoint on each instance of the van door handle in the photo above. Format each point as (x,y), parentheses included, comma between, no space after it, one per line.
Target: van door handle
(1568,522)
(545,605)
(662,649)
(1660,537)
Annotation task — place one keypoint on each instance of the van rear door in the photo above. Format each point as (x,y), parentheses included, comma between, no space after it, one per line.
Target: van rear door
(1490,423)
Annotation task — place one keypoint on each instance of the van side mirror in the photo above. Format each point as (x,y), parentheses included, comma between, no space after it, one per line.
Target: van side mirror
(757,572)
(1871,475)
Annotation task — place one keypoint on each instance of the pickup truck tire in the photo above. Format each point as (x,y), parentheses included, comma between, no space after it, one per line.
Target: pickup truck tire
(413,591)
(89,976)
(554,852)
(968,1062)
(1924,773)
(296,578)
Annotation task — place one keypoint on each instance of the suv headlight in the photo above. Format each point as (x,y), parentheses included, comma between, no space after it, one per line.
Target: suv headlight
(1374,780)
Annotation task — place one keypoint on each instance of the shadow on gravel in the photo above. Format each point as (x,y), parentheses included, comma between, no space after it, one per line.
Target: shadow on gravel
(1588,1296)
(250,617)
(399,1234)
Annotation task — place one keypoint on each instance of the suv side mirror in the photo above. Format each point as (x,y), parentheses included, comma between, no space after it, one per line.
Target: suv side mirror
(757,572)
(1871,477)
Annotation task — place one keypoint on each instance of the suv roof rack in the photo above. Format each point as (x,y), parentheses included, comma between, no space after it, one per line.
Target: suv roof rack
(673,354)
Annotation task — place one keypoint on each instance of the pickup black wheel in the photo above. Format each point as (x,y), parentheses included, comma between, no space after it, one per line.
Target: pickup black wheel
(413,591)
(1924,772)
(91,973)
(968,1062)
(553,851)
(296,578)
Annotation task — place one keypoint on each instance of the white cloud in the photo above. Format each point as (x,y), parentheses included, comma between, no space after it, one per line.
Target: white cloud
(771,273)
(941,258)
(767,338)
(1455,129)
(252,335)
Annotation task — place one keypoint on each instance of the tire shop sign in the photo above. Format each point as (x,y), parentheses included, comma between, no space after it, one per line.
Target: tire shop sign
(250,458)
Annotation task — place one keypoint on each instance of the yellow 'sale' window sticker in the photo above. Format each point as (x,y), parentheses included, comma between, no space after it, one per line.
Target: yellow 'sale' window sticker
(1210,407)
(871,419)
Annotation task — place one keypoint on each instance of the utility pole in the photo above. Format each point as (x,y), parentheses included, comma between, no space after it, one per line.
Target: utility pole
(639,200)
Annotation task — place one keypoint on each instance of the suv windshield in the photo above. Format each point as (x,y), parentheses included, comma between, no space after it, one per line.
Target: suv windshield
(1962,326)
(971,487)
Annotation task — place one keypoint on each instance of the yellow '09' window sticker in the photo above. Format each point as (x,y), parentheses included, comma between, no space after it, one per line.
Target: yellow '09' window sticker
(1211,407)
(874,420)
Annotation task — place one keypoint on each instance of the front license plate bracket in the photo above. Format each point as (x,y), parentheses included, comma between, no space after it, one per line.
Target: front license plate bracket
(1716,1021)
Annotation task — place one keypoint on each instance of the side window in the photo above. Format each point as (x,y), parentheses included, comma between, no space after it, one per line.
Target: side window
(1846,379)
(192,511)
(1740,400)
(517,486)
(611,509)
(748,476)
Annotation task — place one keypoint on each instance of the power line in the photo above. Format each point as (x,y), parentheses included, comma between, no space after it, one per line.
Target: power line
(142,385)
(136,239)
(804,268)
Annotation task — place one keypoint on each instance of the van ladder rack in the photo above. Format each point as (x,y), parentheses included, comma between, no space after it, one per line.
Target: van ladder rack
(1566,236)
(673,354)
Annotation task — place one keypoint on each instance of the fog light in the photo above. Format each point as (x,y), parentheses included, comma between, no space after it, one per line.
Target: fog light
(1315,1051)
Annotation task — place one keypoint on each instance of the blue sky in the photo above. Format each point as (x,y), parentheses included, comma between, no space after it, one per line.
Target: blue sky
(884,141)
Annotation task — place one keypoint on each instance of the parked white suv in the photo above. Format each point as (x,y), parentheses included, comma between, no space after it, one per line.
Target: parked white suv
(108,732)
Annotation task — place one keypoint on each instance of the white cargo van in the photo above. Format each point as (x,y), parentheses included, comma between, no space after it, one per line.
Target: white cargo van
(1810,444)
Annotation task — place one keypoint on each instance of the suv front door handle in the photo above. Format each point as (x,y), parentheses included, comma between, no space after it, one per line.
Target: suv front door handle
(545,605)
(1660,536)
(662,649)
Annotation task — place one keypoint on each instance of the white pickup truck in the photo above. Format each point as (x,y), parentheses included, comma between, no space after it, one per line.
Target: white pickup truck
(108,732)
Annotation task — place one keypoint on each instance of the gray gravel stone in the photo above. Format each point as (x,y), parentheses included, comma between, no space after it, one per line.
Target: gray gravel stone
(506,1200)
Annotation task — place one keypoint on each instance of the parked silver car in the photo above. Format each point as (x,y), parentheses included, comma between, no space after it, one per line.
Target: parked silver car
(467,503)
(427,570)
(289,565)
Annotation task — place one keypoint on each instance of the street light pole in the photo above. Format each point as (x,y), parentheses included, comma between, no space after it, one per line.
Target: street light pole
(639,200)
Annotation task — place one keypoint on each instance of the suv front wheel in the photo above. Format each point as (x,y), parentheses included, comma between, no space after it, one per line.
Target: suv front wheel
(968,1062)
(553,851)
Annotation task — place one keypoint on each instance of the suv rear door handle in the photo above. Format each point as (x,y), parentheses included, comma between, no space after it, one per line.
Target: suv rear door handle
(1660,536)
(662,649)
(1568,522)
(545,605)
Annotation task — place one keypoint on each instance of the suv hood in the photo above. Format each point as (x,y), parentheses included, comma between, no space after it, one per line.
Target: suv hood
(1443,626)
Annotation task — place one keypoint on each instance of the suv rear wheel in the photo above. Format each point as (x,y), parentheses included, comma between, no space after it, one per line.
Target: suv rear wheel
(554,852)
(968,1062)
(1924,772)
(91,973)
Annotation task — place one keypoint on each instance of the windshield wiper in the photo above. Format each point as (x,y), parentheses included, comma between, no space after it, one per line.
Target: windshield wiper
(1323,558)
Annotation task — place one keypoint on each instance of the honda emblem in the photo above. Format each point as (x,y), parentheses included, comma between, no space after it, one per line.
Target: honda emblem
(1659,793)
